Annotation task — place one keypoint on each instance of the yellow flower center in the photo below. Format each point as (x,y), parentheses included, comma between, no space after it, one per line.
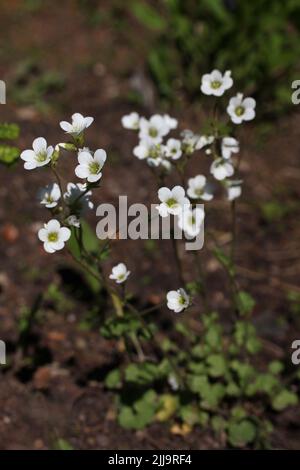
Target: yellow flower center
(215,84)
(171,202)
(94,168)
(239,110)
(53,237)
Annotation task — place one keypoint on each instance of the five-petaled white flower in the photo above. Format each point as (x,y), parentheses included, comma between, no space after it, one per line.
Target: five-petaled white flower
(173,149)
(77,198)
(131,121)
(50,195)
(221,169)
(199,189)
(154,129)
(54,236)
(177,300)
(173,201)
(119,273)
(241,109)
(234,189)
(90,166)
(229,146)
(78,125)
(39,156)
(190,221)
(215,83)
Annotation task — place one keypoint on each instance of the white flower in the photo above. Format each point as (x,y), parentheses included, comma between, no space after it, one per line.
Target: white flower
(198,188)
(172,123)
(192,142)
(189,141)
(142,151)
(131,121)
(73,221)
(190,221)
(90,166)
(119,273)
(173,149)
(241,109)
(77,198)
(177,300)
(215,83)
(54,236)
(221,169)
(172,201)
(153,153)
(50,195)
(234,189)
(39,156)
(204,140)
(154,129)
(79,124)
(229,146)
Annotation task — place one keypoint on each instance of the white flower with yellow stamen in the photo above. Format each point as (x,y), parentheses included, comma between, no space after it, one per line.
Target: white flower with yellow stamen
(177,300)
(199,189)
(173,201)
(39,156)
(90,166)
(215,83)
(78,125)
(54,236)
(119,273)
(241,109)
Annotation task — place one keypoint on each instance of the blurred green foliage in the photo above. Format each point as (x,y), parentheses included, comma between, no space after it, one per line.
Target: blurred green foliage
(8,153)
(258,40)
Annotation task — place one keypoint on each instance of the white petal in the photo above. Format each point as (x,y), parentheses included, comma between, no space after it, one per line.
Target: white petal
(64,234)
(30,165)
(42,234)
(66,126)
(100,156)
(164,194)
(27,155)
(39,145)
(53,225)
(88,121)
(82,171)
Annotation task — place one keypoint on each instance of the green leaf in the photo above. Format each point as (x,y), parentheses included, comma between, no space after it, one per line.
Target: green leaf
(115,327)
(191,415)
(62,444)
(141,413)
(245,302)
(8,154)
(240,434)
(113,379)
(275,367)
(147,372)
(217,365)
(9,131)
(284,399)
(218,424)
(148,16)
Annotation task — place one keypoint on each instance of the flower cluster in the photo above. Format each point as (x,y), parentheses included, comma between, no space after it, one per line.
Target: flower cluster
(160,150)
(69,205)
